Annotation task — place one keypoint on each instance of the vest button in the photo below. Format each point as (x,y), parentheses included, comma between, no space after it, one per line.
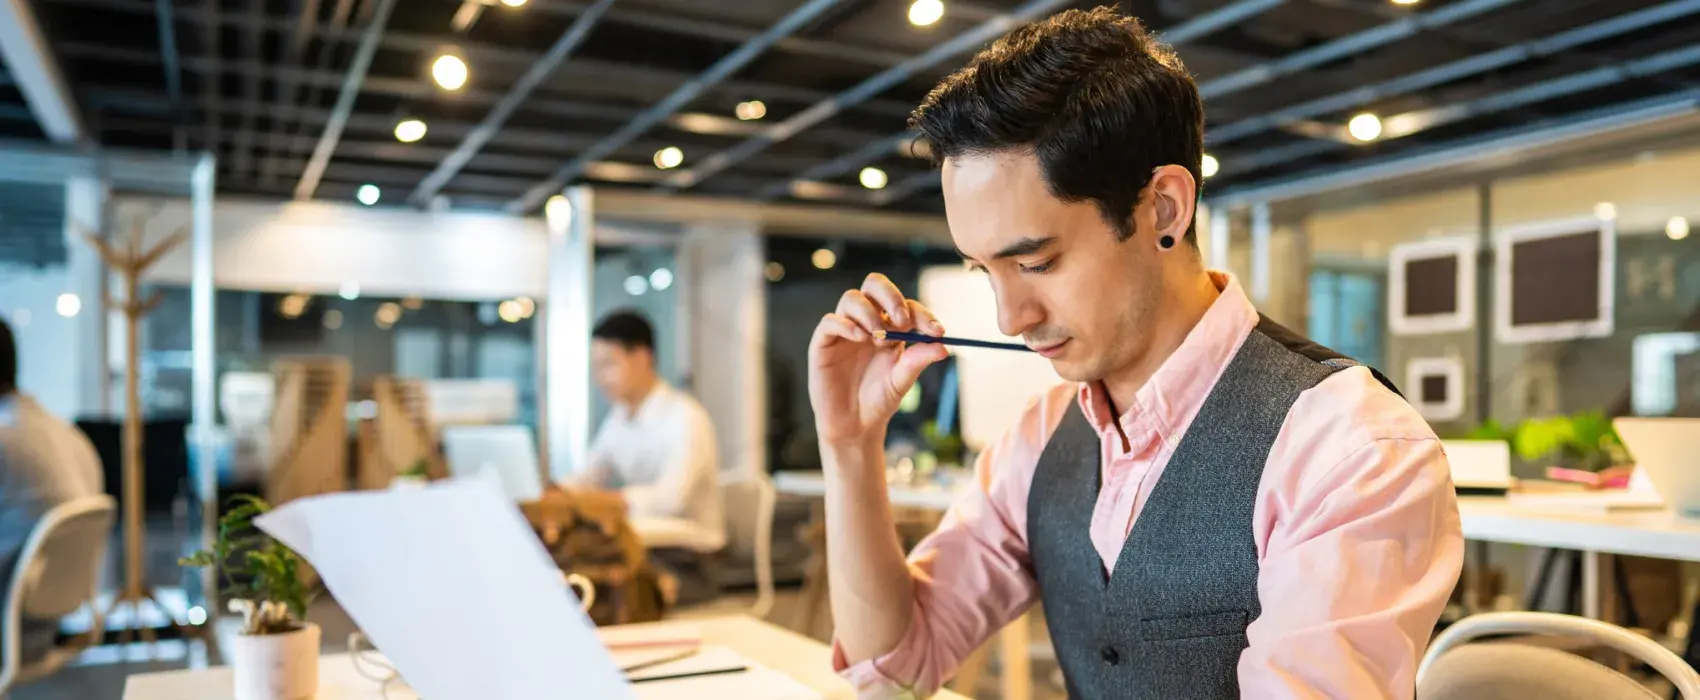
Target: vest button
(1110,655)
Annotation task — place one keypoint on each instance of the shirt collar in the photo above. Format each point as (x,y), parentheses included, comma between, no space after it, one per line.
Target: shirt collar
(651,401)
(1167,402)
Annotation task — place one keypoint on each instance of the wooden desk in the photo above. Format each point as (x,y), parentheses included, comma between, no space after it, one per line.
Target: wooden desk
(806,660)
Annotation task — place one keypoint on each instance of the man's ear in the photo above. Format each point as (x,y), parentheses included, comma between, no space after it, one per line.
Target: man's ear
(1174,197)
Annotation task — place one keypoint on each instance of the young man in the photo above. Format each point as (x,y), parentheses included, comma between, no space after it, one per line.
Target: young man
(1212,506)
(44,462)
(656,452)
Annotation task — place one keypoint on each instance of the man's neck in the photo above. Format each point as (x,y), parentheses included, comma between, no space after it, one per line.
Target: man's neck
(1181,308)
(635,401)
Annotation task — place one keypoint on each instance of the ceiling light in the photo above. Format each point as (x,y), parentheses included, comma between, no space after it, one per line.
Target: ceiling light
(1209,166)
(332,319)
(824,259)
(1605,211)
(636,285)
(291,307)
(409,130)
(387,314)
(775,272)
(753,109)
(510,311)
(527,306)
(1677,228)
(925,12)
(68,305)
(1405,2)
(1364,127)
(872,178)
(449,71)
(558,212)
(669,157)
(368,194)
(349,291)
(661,278)
(518,3)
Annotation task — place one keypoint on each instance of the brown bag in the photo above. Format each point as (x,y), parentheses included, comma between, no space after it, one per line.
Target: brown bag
(588,536)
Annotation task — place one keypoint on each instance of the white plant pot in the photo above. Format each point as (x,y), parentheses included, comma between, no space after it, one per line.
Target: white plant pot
(277,666)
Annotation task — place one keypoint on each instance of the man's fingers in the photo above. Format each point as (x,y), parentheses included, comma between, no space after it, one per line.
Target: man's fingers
(856,307)
(916,357)
(880,290)
(925,321)
(834,326)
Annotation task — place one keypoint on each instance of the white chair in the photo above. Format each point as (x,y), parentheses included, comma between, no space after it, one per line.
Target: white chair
(1512,670)
(58,572)
(749,504)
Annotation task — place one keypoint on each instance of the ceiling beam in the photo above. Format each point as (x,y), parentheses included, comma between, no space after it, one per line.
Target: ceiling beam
(1401,125)
(498,115)
(344,102)
(1349,45)
(861,92)
(1455,70)
(33,68)
(1182,33)
(720,70)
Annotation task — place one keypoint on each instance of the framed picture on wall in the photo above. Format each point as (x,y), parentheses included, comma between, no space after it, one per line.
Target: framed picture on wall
(1431,286)
(1555,280)
(1436,387)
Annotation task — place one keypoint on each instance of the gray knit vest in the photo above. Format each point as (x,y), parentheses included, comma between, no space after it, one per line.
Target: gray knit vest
(1171,621)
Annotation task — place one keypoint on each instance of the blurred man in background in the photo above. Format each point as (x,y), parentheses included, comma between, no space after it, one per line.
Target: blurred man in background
(44,462)
(655,452)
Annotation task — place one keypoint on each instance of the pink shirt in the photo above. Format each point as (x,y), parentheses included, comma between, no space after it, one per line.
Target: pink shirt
(1356,526)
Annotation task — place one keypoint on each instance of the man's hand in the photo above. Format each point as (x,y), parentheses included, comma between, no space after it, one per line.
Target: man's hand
(856,382)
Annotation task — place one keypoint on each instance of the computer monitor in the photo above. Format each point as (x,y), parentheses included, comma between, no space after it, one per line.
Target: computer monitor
(1555,281)
(506,452)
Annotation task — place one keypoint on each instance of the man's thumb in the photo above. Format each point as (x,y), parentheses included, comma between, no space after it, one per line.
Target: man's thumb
(915,357)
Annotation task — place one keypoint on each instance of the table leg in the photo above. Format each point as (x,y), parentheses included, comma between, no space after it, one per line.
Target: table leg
(1591,585)
(1017,666)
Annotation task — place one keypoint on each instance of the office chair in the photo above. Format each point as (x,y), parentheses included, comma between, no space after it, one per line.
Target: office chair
(749,504)
(1511,670)
(58,572)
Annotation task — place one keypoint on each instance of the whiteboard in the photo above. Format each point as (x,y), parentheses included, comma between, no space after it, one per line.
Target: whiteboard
(996,384)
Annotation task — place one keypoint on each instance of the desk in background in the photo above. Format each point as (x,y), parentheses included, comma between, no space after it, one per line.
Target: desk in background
(805,660)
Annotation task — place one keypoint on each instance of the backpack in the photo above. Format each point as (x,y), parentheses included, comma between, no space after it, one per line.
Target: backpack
(594,539)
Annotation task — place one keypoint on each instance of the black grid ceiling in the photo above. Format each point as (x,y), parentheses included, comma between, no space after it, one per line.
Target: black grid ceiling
(258,83)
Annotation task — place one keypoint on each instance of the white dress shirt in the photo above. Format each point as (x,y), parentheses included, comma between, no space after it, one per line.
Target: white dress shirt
(663,459)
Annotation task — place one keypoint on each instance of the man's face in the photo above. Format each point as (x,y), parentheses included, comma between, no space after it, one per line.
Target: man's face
(618,372)
(1064,282)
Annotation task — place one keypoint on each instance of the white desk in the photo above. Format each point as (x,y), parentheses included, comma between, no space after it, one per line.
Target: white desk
(919,496)
(806,660)
(1649,533)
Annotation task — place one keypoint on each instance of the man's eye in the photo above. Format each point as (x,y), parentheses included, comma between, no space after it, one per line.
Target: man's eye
(976,267)
(1038,268)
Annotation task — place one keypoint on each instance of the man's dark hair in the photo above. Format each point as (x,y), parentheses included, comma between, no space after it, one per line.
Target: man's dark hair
(1098,100)
(8,360)
(628,329)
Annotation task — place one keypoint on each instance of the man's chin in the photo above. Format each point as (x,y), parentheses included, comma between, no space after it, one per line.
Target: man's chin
(1073,371)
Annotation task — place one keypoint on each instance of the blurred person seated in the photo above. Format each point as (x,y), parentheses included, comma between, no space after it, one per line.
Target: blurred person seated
(44,462)
(654,456)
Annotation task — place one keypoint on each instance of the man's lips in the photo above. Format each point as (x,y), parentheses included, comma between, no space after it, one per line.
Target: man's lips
(1049,350)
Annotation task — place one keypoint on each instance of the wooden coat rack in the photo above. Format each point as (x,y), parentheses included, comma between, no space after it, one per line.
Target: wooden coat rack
(130,262)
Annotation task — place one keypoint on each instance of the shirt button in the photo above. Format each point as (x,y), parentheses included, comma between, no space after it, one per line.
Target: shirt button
(1110,655)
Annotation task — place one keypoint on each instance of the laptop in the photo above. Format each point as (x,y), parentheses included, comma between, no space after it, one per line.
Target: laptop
(1667,450)
(506,453)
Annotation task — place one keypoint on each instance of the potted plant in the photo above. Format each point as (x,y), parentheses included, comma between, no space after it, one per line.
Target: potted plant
(416,475)
(276,657)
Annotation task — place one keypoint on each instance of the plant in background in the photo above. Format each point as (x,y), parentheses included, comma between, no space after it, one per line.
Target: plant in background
(417,471)
(948,448)
(1585,440)
(261,576)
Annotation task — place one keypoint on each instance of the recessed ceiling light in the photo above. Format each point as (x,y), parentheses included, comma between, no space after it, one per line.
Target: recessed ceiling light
(824,259)
(1677,228)
(558,211)
(68,305)
(1209,166)
(409,130)
(872,178)
(636,285)
(669,157)
(1364,127)
(368,194)
(925,12)
(1405,2)
(449,71)
(349,291)
(1605,211)
(775,272)
(747,111)
(513,3)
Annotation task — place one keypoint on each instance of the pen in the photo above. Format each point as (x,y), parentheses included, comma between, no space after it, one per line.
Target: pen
(908,337)
(688,653)
(692,674)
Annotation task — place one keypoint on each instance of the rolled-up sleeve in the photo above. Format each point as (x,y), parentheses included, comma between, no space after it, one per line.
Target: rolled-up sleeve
(972,575)
(1360,555)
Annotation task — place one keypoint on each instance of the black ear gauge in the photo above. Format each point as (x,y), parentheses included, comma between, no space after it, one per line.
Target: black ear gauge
(1166,241)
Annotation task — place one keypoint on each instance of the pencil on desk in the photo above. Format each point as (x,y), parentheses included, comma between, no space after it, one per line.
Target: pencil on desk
(908,337)
(692,674)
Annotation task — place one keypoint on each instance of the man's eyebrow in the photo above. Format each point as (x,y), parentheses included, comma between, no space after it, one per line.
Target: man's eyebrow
(1025,246)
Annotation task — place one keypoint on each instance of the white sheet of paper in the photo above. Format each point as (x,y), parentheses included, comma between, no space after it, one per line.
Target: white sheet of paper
(453,586)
